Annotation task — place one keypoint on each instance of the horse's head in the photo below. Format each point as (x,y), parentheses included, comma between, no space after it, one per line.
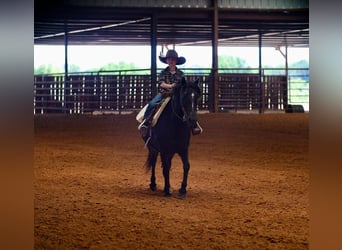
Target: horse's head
(190,93)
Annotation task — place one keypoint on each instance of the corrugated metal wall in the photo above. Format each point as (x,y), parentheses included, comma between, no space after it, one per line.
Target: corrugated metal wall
(264,4)
(233,4)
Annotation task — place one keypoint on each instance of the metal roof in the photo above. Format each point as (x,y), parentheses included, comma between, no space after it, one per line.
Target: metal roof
(115,22)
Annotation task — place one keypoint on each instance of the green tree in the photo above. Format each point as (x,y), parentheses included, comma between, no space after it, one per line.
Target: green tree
(50,69)
(230,62)
(300,64)
(45,69)
(74,68)
(301,71)
(120,66)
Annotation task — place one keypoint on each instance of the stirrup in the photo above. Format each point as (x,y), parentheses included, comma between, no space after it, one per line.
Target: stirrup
(142,124)
(197,130)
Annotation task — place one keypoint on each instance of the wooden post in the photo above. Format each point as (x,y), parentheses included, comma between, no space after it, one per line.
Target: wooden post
(285,94)
(66,80)
(153,54)
(261,92)
(214,71)
(286,87)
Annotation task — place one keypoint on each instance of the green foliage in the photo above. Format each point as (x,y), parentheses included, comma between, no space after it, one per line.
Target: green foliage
(300,72)
(230,64)
(50,69)
(121,66)
(46,69)
(74,68)
(226,64)
(300,64)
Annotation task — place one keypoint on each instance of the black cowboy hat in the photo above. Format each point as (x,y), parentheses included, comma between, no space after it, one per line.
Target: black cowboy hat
(172,53)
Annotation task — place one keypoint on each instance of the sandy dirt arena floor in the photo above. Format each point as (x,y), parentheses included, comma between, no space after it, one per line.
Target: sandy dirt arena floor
(247,187)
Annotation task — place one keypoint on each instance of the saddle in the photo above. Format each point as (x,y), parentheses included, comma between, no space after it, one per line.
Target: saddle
(155,113)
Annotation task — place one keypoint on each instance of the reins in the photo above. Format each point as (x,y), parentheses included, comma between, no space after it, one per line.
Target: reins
(181,105)
(180,96)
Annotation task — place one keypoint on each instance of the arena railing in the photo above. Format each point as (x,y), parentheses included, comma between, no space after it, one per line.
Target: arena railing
(129,90)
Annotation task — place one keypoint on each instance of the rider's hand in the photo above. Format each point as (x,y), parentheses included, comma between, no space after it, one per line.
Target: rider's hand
(167,85)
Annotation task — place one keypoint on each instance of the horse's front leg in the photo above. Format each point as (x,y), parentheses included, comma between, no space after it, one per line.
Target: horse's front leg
(166,164)
(186,167)
(152,159)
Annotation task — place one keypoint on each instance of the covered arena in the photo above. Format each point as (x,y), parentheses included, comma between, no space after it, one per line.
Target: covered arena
(247,188)
(249,177)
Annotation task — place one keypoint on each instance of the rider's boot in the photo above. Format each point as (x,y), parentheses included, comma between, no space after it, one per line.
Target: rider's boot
(197,129)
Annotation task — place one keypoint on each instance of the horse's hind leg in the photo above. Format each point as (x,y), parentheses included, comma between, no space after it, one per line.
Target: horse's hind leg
(153,185)
(186,168)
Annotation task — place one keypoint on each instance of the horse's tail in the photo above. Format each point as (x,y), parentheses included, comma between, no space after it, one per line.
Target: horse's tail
(151,159)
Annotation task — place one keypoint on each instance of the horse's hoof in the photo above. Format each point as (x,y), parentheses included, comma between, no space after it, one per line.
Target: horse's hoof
(153,187)
(181,195)
(168,193)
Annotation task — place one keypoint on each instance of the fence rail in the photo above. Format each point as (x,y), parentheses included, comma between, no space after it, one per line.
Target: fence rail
(238,89)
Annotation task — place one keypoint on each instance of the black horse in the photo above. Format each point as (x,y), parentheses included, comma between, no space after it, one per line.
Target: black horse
(171,135)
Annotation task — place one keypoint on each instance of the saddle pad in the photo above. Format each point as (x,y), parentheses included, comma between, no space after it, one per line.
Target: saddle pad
(160,110)
(140,115)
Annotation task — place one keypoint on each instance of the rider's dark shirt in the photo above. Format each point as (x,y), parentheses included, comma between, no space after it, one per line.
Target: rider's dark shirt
(166,76)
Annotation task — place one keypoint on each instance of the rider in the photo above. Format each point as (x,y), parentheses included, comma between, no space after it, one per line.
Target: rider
(168,79)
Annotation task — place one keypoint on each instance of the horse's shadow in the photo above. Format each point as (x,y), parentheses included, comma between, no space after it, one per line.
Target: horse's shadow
(143,193)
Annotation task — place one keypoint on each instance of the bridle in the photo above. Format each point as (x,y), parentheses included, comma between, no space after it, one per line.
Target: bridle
(182,93)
